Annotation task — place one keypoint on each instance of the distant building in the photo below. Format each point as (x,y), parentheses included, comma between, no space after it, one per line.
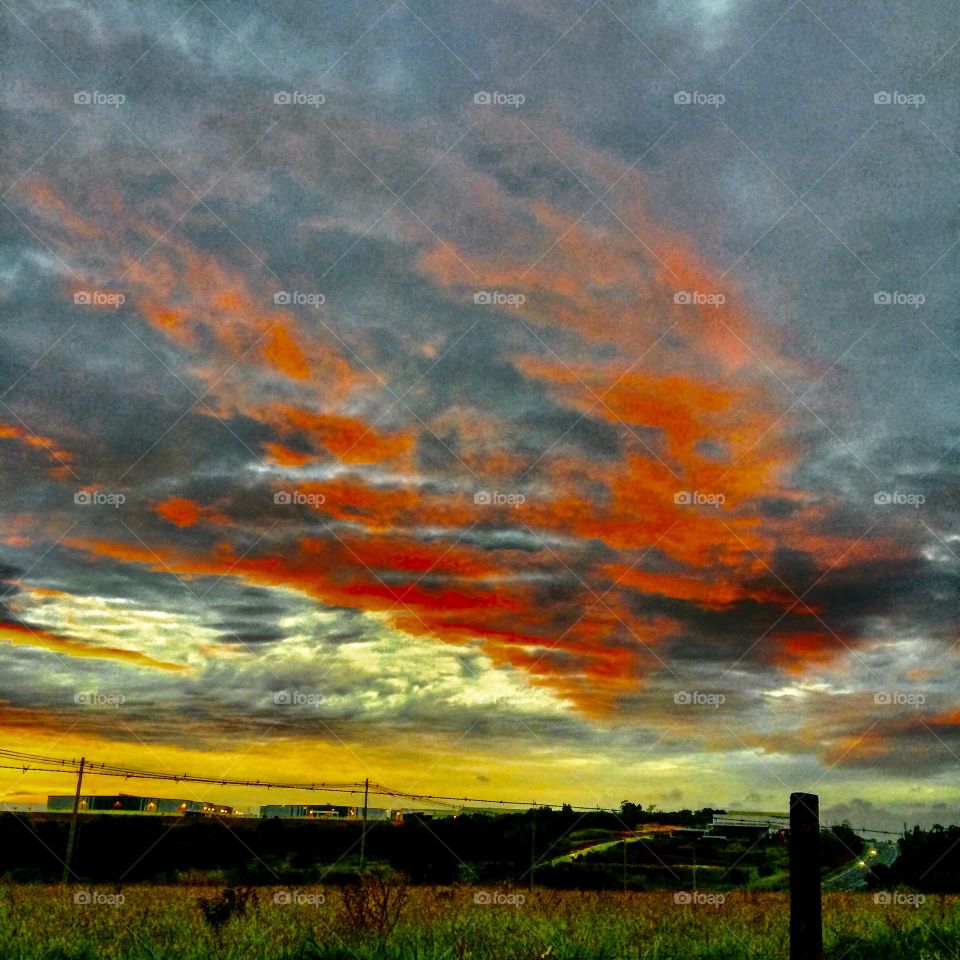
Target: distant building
(747,826)
(688,833)
(419,815)
(128,803)
(746,831)
(330,811)
(414,816)
(320,811)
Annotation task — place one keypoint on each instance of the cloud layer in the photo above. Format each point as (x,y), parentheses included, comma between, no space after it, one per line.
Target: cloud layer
(505,380)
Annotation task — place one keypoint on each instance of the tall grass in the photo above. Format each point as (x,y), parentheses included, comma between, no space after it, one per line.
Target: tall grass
(445,923)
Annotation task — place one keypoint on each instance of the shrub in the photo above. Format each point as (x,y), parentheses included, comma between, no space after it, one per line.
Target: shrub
(373,903)
(230,902)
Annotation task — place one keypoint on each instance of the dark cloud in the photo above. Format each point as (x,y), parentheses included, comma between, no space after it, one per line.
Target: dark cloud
(398,200)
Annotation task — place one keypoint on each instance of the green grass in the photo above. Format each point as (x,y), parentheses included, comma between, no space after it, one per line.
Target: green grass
(166,923)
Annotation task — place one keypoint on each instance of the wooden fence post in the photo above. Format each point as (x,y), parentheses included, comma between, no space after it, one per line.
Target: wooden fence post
(806,929)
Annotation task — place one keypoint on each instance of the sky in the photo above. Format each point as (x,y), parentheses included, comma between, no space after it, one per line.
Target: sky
(533,400)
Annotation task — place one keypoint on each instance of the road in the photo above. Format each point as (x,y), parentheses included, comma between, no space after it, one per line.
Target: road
(852,875)
(593,848)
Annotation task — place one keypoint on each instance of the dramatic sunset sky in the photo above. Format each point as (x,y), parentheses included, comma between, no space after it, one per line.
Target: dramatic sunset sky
(511,386)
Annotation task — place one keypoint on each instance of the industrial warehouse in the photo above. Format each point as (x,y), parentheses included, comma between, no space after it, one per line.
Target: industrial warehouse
(127,803)
(322,811)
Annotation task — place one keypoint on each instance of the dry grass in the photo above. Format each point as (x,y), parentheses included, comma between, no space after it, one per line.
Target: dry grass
(437,923)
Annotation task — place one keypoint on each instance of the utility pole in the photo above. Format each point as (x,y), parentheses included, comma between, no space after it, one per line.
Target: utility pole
(72,836)
(533,844)
(624,864)
(363,834)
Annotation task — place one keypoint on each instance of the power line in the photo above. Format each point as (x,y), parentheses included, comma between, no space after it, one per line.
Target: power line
(36,763)
(28,762)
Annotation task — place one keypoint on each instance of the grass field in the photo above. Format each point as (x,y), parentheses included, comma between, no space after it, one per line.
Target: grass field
(430,923)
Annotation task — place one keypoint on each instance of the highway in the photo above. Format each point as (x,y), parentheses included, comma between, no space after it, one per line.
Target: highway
(851,876)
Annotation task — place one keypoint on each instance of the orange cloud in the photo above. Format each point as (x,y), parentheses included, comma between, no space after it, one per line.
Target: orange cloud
(52,449)
(347,438)
(286,457)
(186,513)
(798,653)
(179,511)
(195,299)
(688,390)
